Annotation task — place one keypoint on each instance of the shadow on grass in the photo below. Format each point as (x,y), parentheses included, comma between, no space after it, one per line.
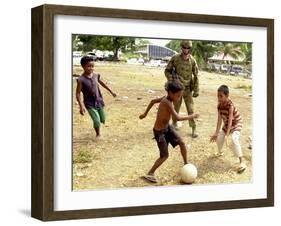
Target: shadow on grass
(213,164)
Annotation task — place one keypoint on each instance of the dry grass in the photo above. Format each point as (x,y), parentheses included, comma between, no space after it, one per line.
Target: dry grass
(127,151)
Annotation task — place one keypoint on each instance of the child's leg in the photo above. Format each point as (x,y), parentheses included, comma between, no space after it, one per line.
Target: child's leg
(174,139)
(96,120)
(220,142)
(97,131)
(156,164)
(101,115)
(183,151)
(164,154)
(236,147)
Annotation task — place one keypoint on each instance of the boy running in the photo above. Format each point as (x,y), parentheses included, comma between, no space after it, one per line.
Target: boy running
(88,84)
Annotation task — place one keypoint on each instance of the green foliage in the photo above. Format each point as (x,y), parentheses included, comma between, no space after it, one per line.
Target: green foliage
(141,42)
(75,43)
(247,50)
(202,50)
(109,43)
(231,49)
(174,45)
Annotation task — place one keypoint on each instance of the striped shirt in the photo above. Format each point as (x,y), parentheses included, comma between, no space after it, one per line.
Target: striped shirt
(223,110)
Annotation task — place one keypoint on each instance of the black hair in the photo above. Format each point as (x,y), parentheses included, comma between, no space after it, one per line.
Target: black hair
(174,86)
(224,89)
(85,59)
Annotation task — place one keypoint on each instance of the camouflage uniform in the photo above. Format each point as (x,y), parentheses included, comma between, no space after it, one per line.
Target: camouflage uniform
(181,69)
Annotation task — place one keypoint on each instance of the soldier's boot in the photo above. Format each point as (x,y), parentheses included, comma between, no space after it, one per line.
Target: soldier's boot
(194,134)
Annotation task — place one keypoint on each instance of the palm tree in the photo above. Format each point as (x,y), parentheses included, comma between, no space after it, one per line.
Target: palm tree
(202,50)
(231,49)
(247,49)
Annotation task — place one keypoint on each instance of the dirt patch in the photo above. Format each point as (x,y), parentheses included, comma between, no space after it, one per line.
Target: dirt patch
(127,151)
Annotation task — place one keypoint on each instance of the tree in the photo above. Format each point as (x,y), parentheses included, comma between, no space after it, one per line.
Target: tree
(231,49)
(141,42)
(115,44)
(247,50)
(75,43)
(174,45)
(202,50)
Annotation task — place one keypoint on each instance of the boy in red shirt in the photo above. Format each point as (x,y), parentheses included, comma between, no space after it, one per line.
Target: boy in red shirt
(232,120)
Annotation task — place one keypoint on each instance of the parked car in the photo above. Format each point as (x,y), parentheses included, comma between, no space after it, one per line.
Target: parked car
(135,61)
(156,63)
(214,67)
(236,70)
(99,54)
(93,55)
(246,73)
(224,68)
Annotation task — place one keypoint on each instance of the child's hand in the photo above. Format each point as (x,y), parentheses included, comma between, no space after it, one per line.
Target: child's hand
(82,111)
(196,115)
(142,116)
(214,138)
(113,94)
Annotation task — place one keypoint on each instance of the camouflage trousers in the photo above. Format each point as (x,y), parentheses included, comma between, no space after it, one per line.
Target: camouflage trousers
(188,100)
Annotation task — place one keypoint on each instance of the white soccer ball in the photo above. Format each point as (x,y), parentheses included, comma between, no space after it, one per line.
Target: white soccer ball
(188,173)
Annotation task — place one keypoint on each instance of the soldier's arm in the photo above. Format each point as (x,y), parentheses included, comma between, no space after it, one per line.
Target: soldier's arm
(195,79)
(169,69)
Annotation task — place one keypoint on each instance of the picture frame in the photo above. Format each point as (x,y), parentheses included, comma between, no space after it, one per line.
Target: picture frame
(43,182)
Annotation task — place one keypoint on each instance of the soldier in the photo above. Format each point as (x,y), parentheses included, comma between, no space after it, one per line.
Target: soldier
(181,67)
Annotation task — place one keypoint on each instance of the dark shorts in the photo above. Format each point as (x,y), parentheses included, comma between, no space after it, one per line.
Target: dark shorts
(164,137)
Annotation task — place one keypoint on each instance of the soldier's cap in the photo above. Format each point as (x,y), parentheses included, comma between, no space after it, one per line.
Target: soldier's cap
(186,44)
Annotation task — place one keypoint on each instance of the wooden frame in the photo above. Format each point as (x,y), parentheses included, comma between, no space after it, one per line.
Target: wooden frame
(42,204)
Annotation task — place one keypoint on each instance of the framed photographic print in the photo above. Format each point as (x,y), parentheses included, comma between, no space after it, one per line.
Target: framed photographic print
(112,88)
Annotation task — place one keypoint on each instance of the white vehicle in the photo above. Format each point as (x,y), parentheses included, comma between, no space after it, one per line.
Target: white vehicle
(224,68)
(92,54)
(99,54)
(76,57)
(156,63)
(213,66)
(133,61)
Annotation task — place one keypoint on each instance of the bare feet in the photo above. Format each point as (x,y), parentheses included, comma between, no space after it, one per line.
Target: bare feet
(150,178)
(241,168)
(219,154)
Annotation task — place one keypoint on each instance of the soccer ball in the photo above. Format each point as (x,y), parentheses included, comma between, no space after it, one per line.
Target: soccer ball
(188,173)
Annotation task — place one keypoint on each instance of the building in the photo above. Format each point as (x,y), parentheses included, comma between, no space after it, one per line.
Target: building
(156,52)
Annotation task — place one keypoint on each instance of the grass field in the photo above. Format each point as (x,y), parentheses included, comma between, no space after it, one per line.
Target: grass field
(126,150)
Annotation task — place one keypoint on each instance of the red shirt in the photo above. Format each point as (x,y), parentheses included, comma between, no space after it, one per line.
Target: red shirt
(223,110)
